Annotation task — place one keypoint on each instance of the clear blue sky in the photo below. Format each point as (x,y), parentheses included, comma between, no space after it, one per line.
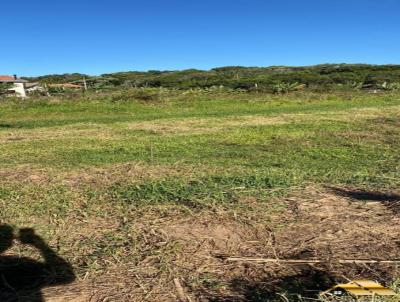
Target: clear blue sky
(97,36)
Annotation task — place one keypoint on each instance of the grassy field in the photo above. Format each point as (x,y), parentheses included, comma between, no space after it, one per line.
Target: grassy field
(135,194)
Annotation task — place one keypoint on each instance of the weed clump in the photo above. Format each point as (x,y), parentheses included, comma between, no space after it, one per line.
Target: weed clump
(197,193)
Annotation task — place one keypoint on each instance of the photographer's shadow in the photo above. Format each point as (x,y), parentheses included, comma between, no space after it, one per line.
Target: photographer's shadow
(22,278)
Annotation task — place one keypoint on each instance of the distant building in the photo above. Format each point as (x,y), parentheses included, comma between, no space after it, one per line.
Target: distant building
(18,87)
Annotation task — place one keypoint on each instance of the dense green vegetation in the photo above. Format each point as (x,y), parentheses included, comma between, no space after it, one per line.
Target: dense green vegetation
(272,79)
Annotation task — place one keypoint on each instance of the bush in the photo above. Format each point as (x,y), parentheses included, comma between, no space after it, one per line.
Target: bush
(4,88)
(287,87)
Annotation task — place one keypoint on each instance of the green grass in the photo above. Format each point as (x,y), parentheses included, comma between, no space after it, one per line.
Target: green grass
(216,147)
(45,114)
(320,150)
(96,167)
(257,142)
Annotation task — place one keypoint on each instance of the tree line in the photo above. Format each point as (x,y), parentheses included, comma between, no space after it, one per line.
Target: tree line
(274,78)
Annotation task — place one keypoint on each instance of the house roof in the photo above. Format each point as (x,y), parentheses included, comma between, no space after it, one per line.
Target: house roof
(6,78)
(11,79)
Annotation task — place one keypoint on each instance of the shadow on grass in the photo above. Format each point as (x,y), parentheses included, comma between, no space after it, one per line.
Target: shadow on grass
(22,278)
(365,195)
(306,283)
(389,200)
(4,125)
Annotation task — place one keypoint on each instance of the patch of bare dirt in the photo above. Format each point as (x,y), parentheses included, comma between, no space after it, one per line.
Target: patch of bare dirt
(24,174)
(329,225)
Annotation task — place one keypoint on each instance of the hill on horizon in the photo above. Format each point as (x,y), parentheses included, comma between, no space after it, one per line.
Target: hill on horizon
(239,77)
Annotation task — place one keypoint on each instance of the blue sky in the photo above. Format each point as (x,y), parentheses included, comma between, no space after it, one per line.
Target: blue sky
(94,37)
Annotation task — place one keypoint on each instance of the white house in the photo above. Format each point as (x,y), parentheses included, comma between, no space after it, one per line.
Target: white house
(18,87)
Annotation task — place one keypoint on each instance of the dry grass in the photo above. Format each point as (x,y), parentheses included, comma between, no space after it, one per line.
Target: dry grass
(210,125)
(317,223)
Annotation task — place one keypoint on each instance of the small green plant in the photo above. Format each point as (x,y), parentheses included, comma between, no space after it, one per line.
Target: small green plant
(140,94)
(356,85)
(287,87)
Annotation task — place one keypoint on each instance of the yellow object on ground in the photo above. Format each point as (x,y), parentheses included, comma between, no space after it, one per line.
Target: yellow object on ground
(360,288)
